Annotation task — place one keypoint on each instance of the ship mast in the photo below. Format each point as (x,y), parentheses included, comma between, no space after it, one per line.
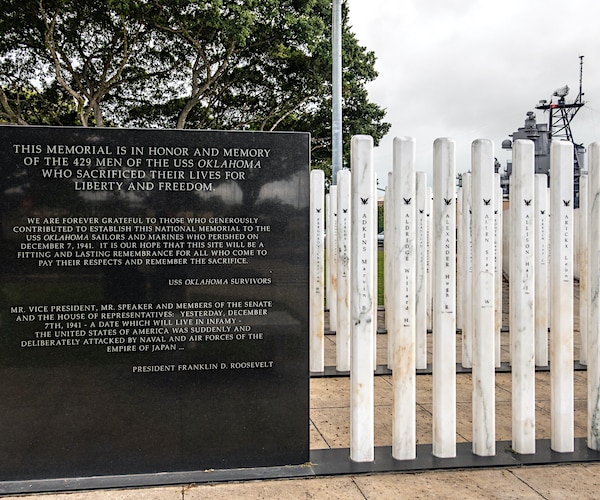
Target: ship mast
(561,113)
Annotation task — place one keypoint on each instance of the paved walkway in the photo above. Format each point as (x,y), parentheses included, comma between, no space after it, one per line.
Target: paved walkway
(550,482)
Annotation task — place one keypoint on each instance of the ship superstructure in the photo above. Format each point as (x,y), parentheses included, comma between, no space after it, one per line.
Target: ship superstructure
(560,116)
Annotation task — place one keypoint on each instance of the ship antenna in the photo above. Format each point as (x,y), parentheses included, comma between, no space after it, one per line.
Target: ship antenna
(580,96)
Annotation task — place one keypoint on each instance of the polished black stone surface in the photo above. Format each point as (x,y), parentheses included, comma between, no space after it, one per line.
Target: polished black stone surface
(153,301)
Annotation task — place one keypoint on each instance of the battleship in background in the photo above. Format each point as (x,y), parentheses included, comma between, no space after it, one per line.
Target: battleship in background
(561,114)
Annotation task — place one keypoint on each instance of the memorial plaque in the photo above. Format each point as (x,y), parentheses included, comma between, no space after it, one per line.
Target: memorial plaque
(153,301)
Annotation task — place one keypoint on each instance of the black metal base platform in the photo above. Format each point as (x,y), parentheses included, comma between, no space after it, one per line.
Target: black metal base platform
(328,462)
(331,371)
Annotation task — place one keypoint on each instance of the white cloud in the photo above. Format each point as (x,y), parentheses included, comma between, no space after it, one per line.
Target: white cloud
(470,69)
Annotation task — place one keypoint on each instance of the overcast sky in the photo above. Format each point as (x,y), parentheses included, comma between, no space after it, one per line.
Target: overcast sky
(471,69)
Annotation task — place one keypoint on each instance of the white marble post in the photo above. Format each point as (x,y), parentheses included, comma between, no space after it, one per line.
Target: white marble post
(429,258)
(403,370)
(444,299)
(593,358)
(332,255)
(317,271)
(387,208)
(460,259)
(375,269)
(522,291)
(467,248)
(342,335)
(583,267)
(422,306)
(541,269)
(328,258)
(498,269)
(362,443)
(389,250)
(561,289)
(483,194)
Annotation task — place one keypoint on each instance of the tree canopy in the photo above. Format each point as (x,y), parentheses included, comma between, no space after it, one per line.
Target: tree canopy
(220,64)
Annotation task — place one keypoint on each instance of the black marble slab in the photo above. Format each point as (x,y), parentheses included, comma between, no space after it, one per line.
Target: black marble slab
(153,301)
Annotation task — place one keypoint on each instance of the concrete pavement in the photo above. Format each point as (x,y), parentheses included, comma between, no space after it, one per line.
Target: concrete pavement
(549,482)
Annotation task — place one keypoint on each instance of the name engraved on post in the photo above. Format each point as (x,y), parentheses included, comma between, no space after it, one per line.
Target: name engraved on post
(566,264)
(408,249)
(448,265)
(543,240)
(488,258)
(528,254)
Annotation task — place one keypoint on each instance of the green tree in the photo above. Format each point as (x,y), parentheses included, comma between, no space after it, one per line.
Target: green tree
(240,65)
(24,104)
(220,64)
(230,53)
(91,48)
